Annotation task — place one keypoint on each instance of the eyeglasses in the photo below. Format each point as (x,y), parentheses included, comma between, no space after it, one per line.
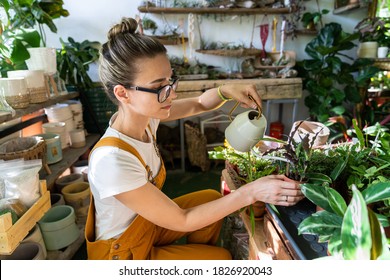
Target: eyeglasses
(162,92)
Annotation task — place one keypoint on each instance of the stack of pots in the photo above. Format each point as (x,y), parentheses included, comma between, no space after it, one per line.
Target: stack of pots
(61,113)
(77,111)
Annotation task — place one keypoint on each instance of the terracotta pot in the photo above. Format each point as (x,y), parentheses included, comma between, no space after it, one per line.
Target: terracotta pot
(258,209)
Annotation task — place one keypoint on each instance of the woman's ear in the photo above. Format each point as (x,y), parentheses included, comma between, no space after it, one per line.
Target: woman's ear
(121,94)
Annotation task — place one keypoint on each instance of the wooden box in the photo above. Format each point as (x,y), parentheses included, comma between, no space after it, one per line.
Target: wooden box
(12,234)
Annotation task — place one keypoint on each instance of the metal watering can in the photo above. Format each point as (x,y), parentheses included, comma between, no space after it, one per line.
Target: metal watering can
(246,130)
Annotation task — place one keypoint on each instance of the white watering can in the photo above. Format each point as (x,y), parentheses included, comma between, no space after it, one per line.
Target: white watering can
(246,130)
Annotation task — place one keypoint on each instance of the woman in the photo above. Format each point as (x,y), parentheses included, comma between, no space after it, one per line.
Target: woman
(130,217)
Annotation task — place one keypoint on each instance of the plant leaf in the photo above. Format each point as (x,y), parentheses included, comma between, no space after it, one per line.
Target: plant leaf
(337,202)
(359,133)
(339,168)
(355,230)
(334,243)
(321,223)
(377,192)
(317,194)
(376,236)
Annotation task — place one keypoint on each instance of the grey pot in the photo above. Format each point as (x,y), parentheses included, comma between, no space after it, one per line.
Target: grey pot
(26,251)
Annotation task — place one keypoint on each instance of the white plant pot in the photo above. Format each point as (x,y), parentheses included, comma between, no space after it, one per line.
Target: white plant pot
(36,84)
(367,50)
(42,59)
(382,52)
(15,92)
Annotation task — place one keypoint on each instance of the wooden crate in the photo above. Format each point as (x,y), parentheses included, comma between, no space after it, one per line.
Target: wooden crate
(12,234)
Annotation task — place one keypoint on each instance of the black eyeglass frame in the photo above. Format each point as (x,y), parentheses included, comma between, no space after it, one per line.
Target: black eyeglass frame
(172,86)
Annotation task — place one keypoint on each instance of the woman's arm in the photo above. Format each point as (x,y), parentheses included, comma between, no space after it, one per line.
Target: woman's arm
(155,206)
(210,100)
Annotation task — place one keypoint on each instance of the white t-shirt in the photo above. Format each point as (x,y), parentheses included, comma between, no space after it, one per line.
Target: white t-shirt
(113,171)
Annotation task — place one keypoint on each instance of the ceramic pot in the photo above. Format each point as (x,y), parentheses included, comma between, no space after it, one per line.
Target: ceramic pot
(367,50)
(67,180)
(77,195)
(26,251)
(56,199)
(42,59)
(15,92)
(35,235)
(36,84)
(53,147)
(58,227)
(382,52)
(246,130)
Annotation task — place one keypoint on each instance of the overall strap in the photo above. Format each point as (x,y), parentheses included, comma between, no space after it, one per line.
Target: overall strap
(119,143)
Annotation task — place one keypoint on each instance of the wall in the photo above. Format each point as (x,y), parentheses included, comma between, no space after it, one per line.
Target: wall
(91,19)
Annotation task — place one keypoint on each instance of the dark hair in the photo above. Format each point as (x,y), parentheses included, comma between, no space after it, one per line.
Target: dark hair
(119,56)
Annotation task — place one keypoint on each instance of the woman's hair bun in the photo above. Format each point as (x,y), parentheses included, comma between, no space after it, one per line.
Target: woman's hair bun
(127,25)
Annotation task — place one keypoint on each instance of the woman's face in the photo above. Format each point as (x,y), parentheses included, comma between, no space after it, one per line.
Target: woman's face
(154,73)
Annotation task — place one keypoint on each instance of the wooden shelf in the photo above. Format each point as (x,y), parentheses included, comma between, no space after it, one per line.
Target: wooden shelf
(346,8)
(229,11)
(35,107)
(69,157)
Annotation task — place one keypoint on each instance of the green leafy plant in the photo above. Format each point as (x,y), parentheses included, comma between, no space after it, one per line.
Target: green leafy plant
(374,29)
(18,32)
(335,82)
(353,231)
(73,61)
(311,19)
(247,167)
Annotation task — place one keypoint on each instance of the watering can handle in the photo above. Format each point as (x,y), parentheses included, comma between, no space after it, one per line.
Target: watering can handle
(235,106)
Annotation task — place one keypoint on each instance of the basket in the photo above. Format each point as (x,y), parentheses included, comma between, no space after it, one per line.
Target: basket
(28,148)
(196,147)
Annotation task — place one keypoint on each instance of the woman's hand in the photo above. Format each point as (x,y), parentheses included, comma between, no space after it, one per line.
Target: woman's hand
(246,94)
(275,189)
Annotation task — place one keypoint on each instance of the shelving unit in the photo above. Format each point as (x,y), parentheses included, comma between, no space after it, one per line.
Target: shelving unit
(228,11)
(35,107)
(69,157)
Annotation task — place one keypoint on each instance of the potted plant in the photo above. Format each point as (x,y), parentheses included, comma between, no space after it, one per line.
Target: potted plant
(245,168)
(73,61)
(373,32)
(352,231)
(310,20)
(19,33)
(335,82)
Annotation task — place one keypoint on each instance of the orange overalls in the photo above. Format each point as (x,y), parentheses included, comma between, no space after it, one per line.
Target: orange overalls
(144,240)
